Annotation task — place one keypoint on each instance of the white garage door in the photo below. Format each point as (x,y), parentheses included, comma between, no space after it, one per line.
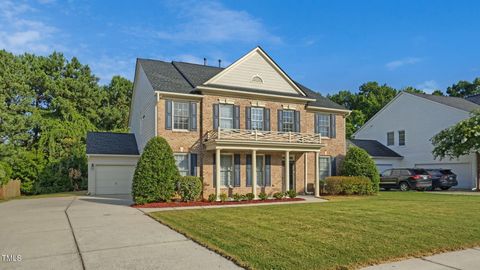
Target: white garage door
(462,170)
(113,179)
(383,167)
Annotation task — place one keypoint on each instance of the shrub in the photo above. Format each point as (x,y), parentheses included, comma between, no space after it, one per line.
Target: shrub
(212,197)
(243,197)
(237,197)
(250,196)
(223,197)
(292,193)
(357,162)
(189,188)
(156,172)
(5,173)
(278,195)
(349,185)
(263,196)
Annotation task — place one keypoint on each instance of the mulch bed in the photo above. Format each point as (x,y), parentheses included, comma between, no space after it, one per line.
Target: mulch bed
(207,203)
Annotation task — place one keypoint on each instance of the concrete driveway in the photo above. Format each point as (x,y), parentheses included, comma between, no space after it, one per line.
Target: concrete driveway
(94,233)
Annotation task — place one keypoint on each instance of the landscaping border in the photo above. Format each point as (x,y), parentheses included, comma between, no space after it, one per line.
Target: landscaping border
(206,203)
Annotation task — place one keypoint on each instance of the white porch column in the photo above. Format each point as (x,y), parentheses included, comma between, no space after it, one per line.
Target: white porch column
(287,170)
(254,173)
(317,175)
(217,172)
(306,174)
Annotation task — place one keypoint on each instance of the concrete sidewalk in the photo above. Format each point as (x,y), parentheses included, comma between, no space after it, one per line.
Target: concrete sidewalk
(95,233)
(468,259)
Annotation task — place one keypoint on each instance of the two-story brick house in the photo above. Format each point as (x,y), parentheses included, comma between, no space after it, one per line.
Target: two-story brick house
(228,125)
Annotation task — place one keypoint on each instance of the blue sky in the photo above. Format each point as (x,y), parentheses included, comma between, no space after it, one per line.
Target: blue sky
(326,45)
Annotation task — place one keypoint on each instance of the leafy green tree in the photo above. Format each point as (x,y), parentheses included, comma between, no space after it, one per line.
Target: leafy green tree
(115,104)
(5,173)
(414,90)
(357,162)
(464,88)
(156,173)
(373,97)
(438,93)
(355,120)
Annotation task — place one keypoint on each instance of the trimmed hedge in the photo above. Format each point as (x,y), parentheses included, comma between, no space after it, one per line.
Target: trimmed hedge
(349,185)
(156,173)
(357,162)
(189,188)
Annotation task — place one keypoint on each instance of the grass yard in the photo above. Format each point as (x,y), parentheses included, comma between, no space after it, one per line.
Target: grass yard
(341,234)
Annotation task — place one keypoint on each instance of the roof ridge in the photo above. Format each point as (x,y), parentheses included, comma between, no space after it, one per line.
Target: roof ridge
(195,64)
(183,75)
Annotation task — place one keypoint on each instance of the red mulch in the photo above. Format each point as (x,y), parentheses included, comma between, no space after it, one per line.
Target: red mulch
(207,203)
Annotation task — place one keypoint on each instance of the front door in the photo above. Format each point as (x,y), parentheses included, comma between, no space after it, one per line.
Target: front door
(291,182)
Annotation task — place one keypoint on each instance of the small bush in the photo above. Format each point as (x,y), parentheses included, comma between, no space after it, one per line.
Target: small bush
(5,173)
(263,196)
(250,196)
(212,197)
(279,195)
(189,188)
(349,185)
(243,197)
(292,193)
(237,197)
(223,197)
(357,162)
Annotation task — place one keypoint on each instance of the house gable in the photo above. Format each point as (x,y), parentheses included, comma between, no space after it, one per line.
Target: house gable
(255,70)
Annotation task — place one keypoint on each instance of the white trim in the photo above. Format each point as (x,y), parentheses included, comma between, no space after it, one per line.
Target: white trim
(347,112)
(218,90)
(173,94)
(267,58)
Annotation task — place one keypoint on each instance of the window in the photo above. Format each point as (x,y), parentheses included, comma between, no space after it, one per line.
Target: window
(401,137)
(260,171)
(390,138)
(226,116)
(181,115)
(257,79)
(324,125)
(257,118)
(387,173)
(226,170)
(181,160)
(324,167)
(288,123)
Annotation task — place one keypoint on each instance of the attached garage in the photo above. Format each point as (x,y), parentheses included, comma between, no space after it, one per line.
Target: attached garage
(463,171)
(112,158)
(384,157)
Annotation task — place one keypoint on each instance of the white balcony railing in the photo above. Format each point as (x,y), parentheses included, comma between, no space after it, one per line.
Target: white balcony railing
(263,136)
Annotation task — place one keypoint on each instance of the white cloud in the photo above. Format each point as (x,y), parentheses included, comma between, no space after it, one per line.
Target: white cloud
(213,22)
(402,62)
(105,67)
(188,58)
(428,86)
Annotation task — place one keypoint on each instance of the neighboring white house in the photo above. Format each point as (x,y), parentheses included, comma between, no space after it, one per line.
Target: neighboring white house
(406,125)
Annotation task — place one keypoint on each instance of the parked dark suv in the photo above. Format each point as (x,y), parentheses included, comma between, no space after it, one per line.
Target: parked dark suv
(405,179)
(442,178)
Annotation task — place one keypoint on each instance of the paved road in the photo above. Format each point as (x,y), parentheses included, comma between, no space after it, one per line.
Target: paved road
(94,233)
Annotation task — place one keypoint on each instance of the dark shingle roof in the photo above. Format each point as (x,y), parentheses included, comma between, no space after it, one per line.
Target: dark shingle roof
(374,148)
(181,77)
(454,102)
(110,143)
(474,98)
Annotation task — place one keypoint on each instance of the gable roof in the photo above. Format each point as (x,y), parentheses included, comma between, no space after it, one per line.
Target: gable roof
(183,78)
(474,98)
(110,143)
(455,102)
(375,148)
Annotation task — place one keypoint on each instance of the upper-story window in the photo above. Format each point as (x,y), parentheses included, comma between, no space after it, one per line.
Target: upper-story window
(257,118)
(226,116)
(401,137)
(390,138)
(181,115)
(288,121)
(324,124)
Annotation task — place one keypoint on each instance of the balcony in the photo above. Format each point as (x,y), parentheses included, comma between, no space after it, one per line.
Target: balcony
(257,138)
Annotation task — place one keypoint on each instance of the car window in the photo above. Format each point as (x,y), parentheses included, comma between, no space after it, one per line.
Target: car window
(435,172)
(405,172)
(395,173)
(419,171)
(446,171)
(387,173)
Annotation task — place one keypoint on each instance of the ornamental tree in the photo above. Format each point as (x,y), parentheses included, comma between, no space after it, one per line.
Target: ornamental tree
(357,162)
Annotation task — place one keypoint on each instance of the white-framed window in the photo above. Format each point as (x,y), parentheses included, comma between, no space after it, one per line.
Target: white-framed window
(261,170)
(257,118)
(401,137)
(288,119)
(182,162)
(226,170)
(226,116)
(390,138)
(181,115)
(324,167)
(324,124)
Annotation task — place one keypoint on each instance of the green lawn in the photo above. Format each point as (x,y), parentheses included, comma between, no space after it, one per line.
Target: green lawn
(339,234)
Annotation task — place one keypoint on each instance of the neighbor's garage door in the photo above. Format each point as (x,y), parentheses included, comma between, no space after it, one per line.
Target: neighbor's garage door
(113,179)
(462,170)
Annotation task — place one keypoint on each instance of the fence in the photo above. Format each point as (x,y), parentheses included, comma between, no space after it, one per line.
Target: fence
(10,190)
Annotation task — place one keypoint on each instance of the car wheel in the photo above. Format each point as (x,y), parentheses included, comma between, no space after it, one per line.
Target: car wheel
(404,186)
(445,188)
